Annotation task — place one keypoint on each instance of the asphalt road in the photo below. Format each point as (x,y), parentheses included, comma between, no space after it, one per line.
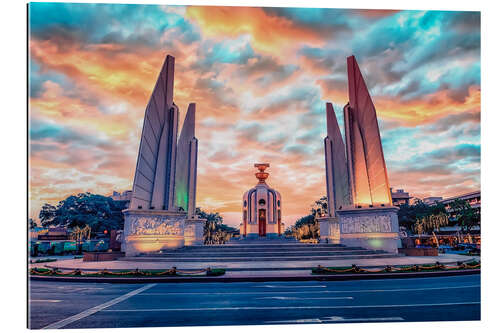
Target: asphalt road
(96,305)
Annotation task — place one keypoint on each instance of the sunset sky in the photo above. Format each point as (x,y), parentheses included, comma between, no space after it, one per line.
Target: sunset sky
(260,78)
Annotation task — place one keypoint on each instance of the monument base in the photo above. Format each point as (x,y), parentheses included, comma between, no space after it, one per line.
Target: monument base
(329,230)
(148,231)
(193,231)
(375,228)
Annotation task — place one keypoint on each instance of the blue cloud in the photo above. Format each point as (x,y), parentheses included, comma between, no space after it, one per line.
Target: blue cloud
(96,23)
(230,51)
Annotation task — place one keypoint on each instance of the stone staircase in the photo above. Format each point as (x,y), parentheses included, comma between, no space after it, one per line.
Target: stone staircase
(262,250)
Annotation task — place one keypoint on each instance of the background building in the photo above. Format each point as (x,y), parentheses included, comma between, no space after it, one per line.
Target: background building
(473,198)
(125,196)
(400,197)
(431,200)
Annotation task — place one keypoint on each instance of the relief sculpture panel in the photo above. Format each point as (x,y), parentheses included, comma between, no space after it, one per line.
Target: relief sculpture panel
(365,224)
(157,225)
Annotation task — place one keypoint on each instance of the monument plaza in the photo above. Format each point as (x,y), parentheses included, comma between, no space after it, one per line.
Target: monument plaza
(162,214)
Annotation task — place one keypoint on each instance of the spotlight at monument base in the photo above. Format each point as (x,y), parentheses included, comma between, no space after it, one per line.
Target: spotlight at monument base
(376,243)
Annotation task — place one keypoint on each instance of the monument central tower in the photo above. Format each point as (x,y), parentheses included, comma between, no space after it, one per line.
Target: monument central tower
(261,208)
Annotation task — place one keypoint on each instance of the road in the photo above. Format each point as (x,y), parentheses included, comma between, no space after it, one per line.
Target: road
(96,305)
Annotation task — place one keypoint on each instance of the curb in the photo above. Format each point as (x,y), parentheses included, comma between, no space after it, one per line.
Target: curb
(340,277)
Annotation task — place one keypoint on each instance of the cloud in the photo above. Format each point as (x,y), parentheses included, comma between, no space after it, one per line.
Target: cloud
(260,78)
(269,34)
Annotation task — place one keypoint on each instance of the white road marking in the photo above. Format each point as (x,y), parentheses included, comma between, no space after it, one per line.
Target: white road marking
(308,292)
(334,320)
(78,288)
(302,298)
(91,311)
(296,321)
(293,307)
(46,300)
(291,286)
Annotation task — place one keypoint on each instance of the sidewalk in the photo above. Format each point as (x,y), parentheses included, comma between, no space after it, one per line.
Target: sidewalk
(299,267)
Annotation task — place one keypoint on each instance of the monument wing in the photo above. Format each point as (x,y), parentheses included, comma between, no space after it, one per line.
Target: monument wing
(155,168)
(365,142)
(336,165)
(185,175)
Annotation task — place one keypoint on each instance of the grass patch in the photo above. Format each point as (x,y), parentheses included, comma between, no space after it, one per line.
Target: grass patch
(216,272)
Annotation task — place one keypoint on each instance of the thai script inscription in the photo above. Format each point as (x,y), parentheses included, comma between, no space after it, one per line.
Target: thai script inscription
(154,226)
(364,224)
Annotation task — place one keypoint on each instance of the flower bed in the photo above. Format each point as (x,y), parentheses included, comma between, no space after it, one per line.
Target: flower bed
(127,274)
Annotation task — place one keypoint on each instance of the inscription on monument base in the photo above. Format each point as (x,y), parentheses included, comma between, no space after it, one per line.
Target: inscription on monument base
(151,231)
(371,228)
(363,224)
(157,225)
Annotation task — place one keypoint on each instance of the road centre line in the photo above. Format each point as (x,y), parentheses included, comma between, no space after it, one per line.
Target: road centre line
(325,320)
(293,286)
(294,307)
(307,292)
(101,307)
(284,298)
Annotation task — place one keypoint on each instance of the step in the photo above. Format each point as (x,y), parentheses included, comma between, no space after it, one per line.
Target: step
(266,248)
(262,254)
(232,245)
(253,258)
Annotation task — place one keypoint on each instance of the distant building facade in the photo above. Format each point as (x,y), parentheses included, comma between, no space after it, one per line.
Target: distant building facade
(400,197)
(431,200)
(125,197)
(473,198)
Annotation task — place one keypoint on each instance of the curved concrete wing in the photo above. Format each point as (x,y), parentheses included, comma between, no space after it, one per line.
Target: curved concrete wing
(187,155)
(155,170)
(337,185)
(366,163)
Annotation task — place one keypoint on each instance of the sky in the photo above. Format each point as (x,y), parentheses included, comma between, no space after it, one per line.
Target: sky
(260,78)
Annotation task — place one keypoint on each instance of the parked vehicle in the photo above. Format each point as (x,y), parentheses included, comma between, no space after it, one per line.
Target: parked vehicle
(43,247)
(95,245)
(70,247)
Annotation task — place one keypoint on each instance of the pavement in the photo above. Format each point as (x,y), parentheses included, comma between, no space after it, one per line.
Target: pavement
(101,305)
(251,267)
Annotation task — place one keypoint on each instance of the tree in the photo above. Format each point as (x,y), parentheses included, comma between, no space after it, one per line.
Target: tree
(31,224)
(305,228)
(47,214)
(98,212)
(320,207)
(215,232)
(409,215)
(427,224)
(465,216)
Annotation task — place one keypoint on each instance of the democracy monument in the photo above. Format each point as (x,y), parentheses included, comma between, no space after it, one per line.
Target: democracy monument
(162,209)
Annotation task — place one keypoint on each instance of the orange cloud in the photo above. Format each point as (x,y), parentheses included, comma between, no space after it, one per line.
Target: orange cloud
(422,110)
(428,108)
(108,70)
(270,34)
(375,13)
